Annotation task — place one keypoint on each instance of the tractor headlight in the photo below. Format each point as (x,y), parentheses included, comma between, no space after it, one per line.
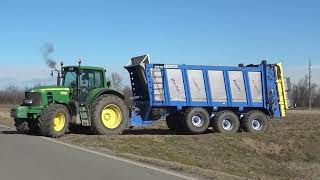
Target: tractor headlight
(27,101)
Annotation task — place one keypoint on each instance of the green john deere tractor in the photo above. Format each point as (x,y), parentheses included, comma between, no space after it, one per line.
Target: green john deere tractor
(84,97)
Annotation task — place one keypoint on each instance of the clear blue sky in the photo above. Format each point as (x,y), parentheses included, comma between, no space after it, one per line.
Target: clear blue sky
(107,33)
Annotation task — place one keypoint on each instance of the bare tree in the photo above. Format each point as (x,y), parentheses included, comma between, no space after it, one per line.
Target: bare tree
(116,80)
(11,95)
(127,93)
(301,93)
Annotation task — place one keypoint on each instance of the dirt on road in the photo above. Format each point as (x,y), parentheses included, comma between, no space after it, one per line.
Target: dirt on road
(289,150)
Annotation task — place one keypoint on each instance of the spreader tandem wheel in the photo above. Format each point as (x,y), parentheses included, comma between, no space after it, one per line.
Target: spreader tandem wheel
(255,121)
(226,122)
(196,120)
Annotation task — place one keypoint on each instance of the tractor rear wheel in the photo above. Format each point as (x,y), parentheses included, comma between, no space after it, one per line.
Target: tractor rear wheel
(226,122)
(109,115)
(255,121)
(196,120)
(54,120)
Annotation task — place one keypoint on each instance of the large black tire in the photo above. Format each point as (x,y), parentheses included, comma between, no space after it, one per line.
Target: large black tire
(196,120)
(255,121)
(26,126)
(174,122)
(97,125)
(46,120)
(33,127)
(226,122)
(21,126)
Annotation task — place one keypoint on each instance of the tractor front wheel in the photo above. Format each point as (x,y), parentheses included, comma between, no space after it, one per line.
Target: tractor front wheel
(54,120)
(26,126)
(21,126)
(109,115)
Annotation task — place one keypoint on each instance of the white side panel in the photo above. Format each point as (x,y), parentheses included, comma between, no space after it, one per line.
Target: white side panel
(176,87)
(197,87)
(238,90)
(255,86)
(217,86)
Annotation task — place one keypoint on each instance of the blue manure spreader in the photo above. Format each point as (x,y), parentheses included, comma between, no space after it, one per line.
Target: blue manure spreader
(193,98)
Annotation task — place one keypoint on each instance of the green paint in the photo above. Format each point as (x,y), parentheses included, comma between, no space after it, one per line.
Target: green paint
(20,112)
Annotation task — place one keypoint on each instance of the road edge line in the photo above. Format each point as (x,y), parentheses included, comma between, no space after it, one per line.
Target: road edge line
(162,170)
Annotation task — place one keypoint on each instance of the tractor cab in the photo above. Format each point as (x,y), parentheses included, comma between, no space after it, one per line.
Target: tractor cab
(82,80)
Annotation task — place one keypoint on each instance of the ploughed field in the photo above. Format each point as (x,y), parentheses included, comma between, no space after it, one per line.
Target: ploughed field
(289,150)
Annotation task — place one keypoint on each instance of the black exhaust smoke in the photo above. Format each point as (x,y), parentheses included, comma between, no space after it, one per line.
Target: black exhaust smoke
(47,49)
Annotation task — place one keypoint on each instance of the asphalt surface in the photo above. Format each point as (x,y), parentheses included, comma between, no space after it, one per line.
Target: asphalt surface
(36,158)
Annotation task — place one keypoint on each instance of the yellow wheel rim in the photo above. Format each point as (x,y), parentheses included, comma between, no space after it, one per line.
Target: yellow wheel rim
(59,122)
(111,116)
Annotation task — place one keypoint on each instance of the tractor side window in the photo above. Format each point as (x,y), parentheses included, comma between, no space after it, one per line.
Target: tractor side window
(98,79)
(91,79)
(85,80)
(70,79)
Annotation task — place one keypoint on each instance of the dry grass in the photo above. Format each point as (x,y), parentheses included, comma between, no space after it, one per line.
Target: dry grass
(289,150)
(5,115)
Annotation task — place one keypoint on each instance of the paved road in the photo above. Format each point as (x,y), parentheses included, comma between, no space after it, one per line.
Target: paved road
(35,158)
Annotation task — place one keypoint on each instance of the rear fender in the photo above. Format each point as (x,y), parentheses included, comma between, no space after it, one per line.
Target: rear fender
(98,92)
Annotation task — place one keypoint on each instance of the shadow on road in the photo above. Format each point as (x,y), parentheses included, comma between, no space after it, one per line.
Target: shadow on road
(152,131)
(16,132)
(87,131)
(148,132)
(157,132)
(9,132)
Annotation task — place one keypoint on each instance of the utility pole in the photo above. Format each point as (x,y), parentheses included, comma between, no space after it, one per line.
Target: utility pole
(310,100)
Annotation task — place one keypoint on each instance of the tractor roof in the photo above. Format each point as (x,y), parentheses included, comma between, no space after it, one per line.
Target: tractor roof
(87,67)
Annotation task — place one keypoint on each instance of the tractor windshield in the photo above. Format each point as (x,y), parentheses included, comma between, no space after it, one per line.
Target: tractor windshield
(70,79)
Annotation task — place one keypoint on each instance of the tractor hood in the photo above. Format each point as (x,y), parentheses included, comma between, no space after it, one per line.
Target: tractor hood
(39,97)
(44,89)
(45,95)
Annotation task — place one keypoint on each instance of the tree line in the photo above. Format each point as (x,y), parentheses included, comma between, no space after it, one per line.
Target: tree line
(299,92)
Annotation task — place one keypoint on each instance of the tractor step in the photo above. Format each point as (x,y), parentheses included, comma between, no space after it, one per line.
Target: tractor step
(85,122)
(84,116)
